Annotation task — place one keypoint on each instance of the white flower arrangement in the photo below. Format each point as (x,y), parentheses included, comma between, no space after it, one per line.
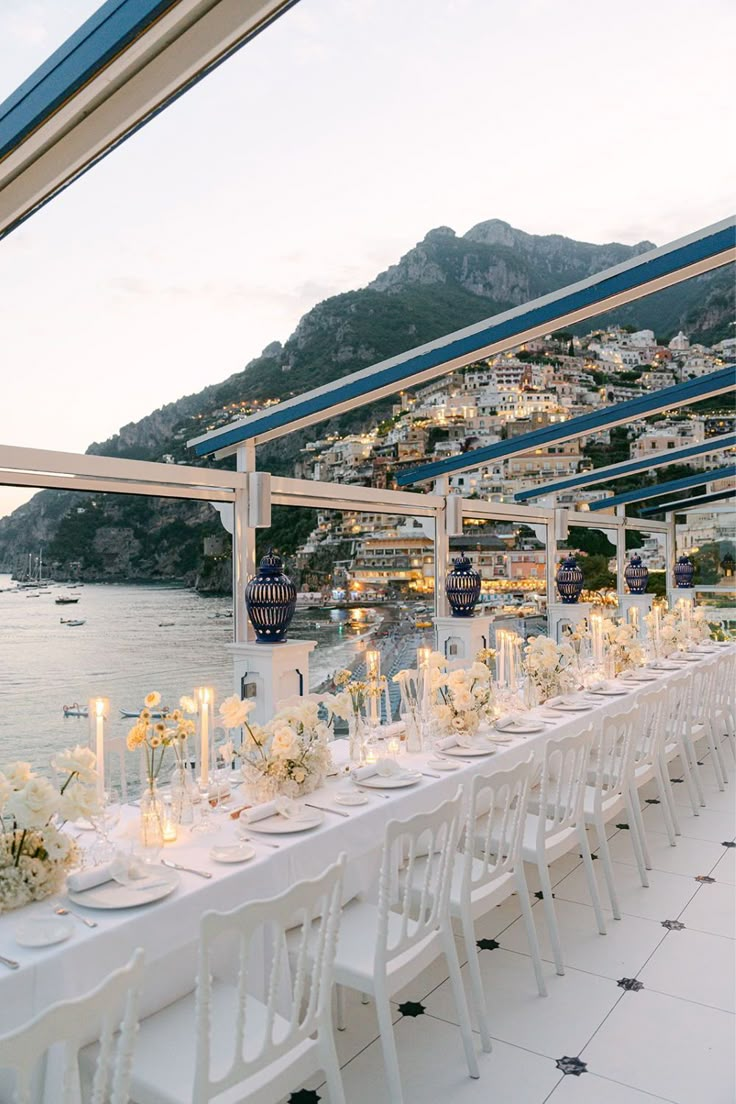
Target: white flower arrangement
(623,644)
(35,854)
(549,666)
(462,698)
(290,755)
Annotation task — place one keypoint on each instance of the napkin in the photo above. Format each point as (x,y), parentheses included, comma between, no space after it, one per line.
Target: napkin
(385,768)
(123,869)
(510,719)
(392,731)
(455,739)
(282,806)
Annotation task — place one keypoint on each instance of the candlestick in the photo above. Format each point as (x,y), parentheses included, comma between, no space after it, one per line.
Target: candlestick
(204,696)
(596,633)
(501,657)
(373,671)
(634,617)
(169,824)
(97,711)
(423,654)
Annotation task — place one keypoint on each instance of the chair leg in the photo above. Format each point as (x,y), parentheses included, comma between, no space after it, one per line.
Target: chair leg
(531,932)
(666,797)
(689,782)
(638,842)
(590,876)
(550,915)
(456,981)
(331,1066)
(718,765)
(669,824)
(340,1007)
(388,1045)
(639,823)
(476,981)
(692,758)
(608,868)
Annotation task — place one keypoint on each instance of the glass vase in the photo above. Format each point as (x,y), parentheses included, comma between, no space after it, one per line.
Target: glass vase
(414,741)
(182,795)
(152,817)
(357,736)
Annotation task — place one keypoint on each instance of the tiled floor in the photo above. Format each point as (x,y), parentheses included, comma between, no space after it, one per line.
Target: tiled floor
(643,1014)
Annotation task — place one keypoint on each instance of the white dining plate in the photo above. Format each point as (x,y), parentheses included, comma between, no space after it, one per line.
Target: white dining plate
(235,853)
(609,691)
(642,676)
(442,764)
(43,931)
(474,749)
(141,891)
(279,825)
(349,797)
(570,706)
(521,728)
(392,782)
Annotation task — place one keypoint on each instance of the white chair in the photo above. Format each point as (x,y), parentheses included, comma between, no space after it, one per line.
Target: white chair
(559,824)
(611,790)
(701,718)
(220,1041)
(676,741)
(490,869)
(724,703)
(109,1013)
(650,740)
(383,947)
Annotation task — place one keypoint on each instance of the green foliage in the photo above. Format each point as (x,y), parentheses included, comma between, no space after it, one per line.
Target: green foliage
(596,573)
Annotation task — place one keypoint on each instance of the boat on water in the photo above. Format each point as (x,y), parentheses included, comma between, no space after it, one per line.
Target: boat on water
(71,621)
(65,600)
(165,624)
(75,710)
(158,713)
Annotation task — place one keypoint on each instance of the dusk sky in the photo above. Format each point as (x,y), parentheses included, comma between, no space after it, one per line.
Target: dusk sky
(322,152)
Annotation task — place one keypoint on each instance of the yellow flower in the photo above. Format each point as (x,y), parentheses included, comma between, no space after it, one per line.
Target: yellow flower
(145,715)
(188,704)
(159,728)
(155,741)
(136,737)
(152,700)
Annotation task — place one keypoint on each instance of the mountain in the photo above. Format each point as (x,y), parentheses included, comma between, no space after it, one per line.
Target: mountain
(443,283)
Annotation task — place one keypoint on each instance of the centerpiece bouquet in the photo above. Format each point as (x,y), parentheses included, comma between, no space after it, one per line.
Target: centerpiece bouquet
(549,666)
(154,736)
(624,650)
(462,698)
(350,704)
(290,755)
(35,852)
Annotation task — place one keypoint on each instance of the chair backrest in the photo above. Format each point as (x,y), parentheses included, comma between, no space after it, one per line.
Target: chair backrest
(676,711)
(612,755)
(109,1013)
(564,777)
(300,995)
(430,840)
(701,692)
(501,797)
(650,731)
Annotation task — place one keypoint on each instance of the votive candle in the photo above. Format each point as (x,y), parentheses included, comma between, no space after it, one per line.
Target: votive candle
(97,711)
(204,696)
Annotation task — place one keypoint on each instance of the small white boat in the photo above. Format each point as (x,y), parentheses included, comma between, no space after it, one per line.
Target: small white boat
(72,622)
(158,713)
(75,710)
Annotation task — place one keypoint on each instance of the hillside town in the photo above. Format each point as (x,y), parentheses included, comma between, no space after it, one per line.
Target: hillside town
(542,382)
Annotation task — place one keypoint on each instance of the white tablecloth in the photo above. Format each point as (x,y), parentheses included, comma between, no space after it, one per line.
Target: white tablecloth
(168,929)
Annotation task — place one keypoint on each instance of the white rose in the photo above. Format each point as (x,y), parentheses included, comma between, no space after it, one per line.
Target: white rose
(284,743)
(79,802)
(56,844)
(5,790)
(34,805)
(227,752)
(233,711)
(479,671)
(79,760)
(18,774)
(462,700)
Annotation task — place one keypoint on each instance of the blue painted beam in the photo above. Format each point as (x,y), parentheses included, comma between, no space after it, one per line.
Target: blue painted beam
(656,490)
(683,504)
(629,467)
(93,46)
(682,394)
(649,272)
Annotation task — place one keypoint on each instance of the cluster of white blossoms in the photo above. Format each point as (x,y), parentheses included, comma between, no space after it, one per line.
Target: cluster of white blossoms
(292,750)
(462,698)
(34,853)
(623,643)
(549,665)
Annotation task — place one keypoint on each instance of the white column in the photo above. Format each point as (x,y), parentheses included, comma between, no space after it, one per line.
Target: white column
(244,547)
(670,558)
(621,555)
(441,552)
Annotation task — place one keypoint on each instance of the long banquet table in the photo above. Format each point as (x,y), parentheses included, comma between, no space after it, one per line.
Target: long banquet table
(168,929)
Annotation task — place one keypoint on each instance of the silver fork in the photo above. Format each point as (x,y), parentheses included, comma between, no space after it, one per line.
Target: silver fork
(9,962)
(266,843)
(61,911)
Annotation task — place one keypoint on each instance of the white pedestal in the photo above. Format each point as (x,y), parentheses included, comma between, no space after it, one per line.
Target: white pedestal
(461,638)
(640,602)
(270,672)
(561,615)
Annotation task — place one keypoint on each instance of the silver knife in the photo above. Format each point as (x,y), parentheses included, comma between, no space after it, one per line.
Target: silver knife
(188,869)
(326,809)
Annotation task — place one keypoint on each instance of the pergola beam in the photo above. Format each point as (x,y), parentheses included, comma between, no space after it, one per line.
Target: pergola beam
(683,505)
(122,67)
(682,394)
(657,490)
(690,256)
(629,467)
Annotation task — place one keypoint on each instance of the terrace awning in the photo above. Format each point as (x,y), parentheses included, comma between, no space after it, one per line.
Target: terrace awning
(127,63)
(656,490)
(660,268)
(658,459)
(682,505)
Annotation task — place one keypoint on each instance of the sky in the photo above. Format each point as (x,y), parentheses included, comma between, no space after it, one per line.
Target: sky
(322,152)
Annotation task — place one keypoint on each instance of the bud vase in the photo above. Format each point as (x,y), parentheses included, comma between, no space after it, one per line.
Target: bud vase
(152,817)
(357,735)
(414,741)
(182,794)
